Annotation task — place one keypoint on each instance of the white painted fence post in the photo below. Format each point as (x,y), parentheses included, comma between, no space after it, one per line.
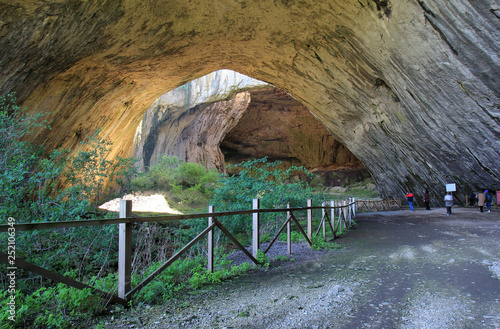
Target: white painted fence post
(324,220)
(289,231)
(309,218)
(332,214)
(210,236)
(124,250)
(350,211)
(256,227)
(354,206)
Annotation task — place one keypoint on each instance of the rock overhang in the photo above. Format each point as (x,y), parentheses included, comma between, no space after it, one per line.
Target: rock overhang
(409,87)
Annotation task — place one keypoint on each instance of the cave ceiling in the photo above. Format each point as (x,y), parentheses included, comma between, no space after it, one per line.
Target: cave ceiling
(410,87)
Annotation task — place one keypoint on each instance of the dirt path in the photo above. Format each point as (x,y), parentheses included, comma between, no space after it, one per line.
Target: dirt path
(395,270)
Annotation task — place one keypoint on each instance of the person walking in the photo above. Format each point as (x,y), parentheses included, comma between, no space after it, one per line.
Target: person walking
(427,200)
(448,203)
(489,198)
(481,198)
(472,199)
(409,197)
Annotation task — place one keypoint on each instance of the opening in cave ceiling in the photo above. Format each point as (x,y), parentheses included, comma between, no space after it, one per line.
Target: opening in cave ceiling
(226,117)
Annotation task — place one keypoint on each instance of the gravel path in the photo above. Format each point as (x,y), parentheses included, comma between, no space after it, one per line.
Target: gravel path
(395,270)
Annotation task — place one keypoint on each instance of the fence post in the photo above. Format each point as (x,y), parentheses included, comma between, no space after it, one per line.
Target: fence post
(332,213)
(350,211)
(124,250)
(289,231)
(210,236)
(309,218)
(346,213)
(256,227)
(343,214)
(354,204)
(324,220)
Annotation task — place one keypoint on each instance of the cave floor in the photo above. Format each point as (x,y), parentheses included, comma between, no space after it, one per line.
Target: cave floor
(396,269)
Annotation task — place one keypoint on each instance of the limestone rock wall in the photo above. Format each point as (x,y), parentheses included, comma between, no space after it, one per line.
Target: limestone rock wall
(410,86)
(262,121)
(193,135)
(191,121)
(279,127)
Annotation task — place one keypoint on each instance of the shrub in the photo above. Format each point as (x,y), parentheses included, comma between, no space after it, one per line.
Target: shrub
(53,186)
(274,187)
(188,184)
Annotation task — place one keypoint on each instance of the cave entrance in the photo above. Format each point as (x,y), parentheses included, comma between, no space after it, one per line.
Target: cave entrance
(279,127)
(225,118)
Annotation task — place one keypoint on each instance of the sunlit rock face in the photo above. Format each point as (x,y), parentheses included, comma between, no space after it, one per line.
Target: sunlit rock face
(244,117)
(191,121)
(410,87)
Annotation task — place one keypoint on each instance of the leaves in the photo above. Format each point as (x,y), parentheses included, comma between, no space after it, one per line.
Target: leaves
(188,184)
(258,179)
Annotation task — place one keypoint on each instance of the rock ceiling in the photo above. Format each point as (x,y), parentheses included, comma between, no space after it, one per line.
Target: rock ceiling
(410,87)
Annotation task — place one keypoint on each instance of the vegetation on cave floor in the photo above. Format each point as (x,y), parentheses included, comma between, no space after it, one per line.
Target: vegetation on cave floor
(190,187)
(37,186)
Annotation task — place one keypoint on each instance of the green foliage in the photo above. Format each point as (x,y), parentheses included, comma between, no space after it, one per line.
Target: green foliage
(89,172)
(61,306)
(318,243)
(17,157)
(187,184)
(54,307)
(53,186)
(259,179)
(283,258)
(266,237)
(294,235)
(189,272)
(35,186)
(263,259)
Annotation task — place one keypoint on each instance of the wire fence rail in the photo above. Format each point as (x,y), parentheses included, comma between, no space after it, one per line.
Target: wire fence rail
(337,216)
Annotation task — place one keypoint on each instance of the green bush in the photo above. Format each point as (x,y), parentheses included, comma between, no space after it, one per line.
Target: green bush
(318,243)
(185,273)
(35,186)
(295,236)
(190,185)
(54,186)
(257,178)
(59,306)
(263,259)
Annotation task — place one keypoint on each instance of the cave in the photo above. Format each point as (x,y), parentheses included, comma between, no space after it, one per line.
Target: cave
(237,118)
(277,126)
(410,87)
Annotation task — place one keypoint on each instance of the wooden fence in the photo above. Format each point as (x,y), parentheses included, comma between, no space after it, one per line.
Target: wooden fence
(378,205)
(337,216)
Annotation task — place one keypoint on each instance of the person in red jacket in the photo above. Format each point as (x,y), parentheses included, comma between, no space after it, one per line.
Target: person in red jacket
(409,197)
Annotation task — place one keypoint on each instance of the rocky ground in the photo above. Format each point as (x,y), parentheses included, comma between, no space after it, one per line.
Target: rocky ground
(394,270)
